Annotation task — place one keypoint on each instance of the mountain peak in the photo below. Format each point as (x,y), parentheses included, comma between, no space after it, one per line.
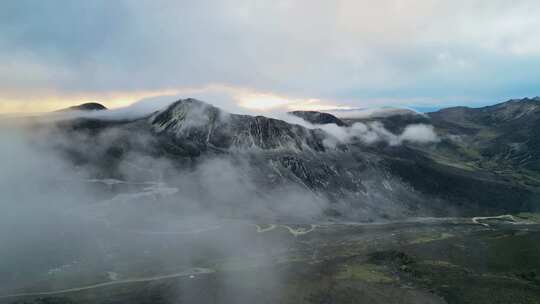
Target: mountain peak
(88,106)
(188,112)
(205,126)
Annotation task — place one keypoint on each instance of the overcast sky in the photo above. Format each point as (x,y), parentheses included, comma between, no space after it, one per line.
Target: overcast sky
(267,54)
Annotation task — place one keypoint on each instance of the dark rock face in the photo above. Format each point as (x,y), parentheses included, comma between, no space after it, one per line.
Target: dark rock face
(318,118)
(89,106)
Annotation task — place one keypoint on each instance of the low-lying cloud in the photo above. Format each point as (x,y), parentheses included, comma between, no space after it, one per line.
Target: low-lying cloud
(370,132)
(65,200)
(419,133)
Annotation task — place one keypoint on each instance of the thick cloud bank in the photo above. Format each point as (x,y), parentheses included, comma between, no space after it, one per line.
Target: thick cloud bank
(95,218)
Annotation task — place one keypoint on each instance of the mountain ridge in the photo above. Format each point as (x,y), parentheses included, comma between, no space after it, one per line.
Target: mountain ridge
(361,180)
(194,120)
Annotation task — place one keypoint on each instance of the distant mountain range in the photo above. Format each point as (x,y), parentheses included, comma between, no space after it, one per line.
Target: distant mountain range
(483,161)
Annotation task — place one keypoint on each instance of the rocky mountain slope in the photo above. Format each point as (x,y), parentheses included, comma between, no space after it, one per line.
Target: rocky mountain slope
(499,137)
(486,161)
(206,126)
